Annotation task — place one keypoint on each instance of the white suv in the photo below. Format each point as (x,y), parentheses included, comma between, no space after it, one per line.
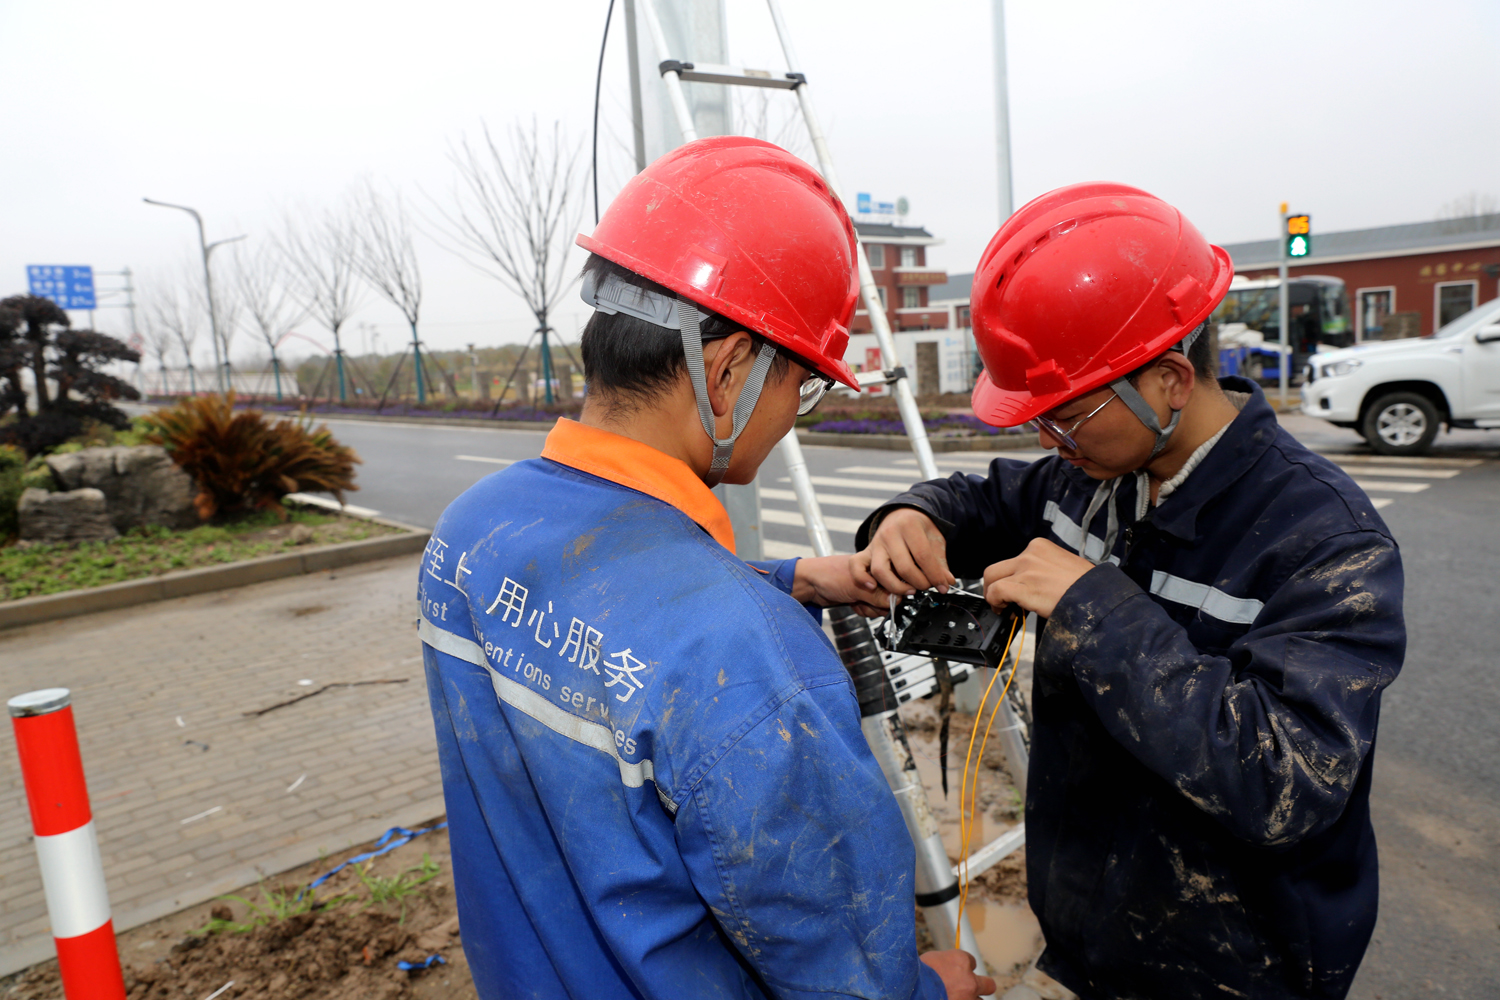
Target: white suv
(1396,394)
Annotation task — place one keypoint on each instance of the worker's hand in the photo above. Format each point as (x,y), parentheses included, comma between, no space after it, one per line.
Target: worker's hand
(826,582)
(957,971)
(907,553)
(1036,579)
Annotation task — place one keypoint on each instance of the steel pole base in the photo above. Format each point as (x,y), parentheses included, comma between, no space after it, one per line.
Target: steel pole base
(936,885)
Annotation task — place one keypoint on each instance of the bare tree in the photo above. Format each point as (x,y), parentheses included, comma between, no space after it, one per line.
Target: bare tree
(158,340)
(261,287)
(1470,212)
(387,259)
(321,258)
(173,310)
(514,214)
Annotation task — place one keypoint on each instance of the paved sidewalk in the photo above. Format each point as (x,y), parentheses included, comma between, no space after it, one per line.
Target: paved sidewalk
(368,752)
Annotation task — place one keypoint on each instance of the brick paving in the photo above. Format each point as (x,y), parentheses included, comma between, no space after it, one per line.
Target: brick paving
(368,752)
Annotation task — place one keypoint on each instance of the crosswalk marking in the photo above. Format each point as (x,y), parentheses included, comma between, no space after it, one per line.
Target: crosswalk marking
(1387,487)
(890,489)
(865,504)
(1370,470)
(859,489)
(978,460)
(773,549)
(878,470)
(771,515)
(1463,463)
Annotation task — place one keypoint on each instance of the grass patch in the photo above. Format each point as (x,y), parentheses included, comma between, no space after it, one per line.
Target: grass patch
(34,570)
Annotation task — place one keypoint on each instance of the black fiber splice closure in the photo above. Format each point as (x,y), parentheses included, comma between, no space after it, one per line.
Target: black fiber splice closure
(856,646)
(953,626)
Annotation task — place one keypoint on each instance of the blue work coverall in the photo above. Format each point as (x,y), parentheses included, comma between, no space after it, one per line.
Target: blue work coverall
(1204,706)
(655,776)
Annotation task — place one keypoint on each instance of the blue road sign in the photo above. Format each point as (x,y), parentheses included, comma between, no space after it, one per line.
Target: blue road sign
(70,286)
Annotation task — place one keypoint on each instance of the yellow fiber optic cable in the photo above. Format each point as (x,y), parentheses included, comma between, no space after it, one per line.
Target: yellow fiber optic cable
(964,832)
(1015,664)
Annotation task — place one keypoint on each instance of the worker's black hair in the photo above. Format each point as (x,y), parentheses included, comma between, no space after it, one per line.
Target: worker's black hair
(1201,354)
(629,361)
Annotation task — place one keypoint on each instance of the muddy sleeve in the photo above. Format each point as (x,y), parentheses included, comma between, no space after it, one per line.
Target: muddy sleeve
(1270,737)
(794,841)
(984,518)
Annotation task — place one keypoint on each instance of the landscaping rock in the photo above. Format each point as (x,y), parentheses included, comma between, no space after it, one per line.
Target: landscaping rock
(72,516)
(141,484)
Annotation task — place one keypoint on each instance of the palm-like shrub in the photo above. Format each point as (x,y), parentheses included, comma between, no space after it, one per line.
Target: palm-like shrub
(241,461)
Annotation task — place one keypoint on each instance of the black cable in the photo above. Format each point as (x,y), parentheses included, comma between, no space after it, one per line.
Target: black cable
(598,80)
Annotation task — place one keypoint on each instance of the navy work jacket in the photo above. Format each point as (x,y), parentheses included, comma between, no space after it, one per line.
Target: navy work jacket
(1204,702)
(655,776)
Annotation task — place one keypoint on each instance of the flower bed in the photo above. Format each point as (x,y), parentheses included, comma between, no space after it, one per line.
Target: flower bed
(471,409)
(937,424)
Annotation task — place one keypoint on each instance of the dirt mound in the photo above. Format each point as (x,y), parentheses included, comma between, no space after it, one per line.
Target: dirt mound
(279,940)
(334,955)
(331,956)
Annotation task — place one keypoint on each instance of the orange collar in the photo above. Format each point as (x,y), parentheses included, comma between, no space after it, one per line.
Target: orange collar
(641,467)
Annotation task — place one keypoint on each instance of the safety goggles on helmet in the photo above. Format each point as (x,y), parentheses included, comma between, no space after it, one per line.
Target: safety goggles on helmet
(1065,435)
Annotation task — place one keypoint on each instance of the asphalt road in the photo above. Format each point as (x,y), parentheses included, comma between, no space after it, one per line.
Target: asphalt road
(1437,774)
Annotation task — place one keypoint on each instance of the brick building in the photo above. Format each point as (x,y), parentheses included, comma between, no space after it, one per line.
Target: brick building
(898,259)
(932,343)
(1402,280)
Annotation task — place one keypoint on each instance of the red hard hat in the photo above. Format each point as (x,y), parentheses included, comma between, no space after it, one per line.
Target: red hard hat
(1081,286)
(747,230)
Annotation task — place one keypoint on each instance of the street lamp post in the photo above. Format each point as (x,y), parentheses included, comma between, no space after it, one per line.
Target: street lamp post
(221,365)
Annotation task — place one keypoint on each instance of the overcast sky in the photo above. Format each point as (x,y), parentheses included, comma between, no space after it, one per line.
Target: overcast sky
(1362,113)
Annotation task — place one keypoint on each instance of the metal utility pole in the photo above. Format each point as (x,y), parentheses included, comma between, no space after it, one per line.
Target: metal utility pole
(1285,305)
(220,364)
(1002,117)
(638,127)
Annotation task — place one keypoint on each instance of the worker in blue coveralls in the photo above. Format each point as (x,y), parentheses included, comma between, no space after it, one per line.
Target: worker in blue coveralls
(1222,606)
(655,776)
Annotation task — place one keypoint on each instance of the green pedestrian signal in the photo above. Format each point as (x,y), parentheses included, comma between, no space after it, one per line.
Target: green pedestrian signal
(1298,235)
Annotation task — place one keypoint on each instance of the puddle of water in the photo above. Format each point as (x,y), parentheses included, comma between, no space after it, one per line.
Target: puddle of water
(945,811)
(1008,933)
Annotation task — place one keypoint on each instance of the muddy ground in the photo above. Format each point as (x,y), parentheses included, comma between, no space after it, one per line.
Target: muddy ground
(400,908)
(347,947)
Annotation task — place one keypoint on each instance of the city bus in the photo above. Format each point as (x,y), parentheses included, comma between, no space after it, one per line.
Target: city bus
(1318,306)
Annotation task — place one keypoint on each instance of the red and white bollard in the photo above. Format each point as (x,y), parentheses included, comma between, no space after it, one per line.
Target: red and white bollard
(66,845)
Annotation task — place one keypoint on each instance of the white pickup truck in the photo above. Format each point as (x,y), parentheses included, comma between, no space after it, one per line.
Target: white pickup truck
(1397,394)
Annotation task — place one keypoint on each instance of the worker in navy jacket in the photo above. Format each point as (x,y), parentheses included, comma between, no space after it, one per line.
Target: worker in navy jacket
(1222,610)
(656,781)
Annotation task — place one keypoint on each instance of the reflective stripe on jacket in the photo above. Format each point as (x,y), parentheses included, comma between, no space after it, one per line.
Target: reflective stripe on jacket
(1205,703)
(652,759)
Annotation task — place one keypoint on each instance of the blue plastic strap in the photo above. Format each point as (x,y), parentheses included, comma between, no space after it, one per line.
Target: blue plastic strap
(431,960)
(393,838)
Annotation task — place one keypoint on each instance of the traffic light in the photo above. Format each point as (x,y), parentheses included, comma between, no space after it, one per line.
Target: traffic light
(1298,235)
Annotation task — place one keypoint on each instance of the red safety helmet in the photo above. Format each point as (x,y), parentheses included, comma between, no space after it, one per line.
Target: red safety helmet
(1081,286)
(747,230)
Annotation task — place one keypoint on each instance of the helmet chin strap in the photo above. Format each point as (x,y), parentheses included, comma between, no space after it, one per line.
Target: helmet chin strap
(692,348)
(611,295)
(1132,398)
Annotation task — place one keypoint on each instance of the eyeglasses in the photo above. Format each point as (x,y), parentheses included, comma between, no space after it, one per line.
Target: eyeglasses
(811,393)
(1066,435)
